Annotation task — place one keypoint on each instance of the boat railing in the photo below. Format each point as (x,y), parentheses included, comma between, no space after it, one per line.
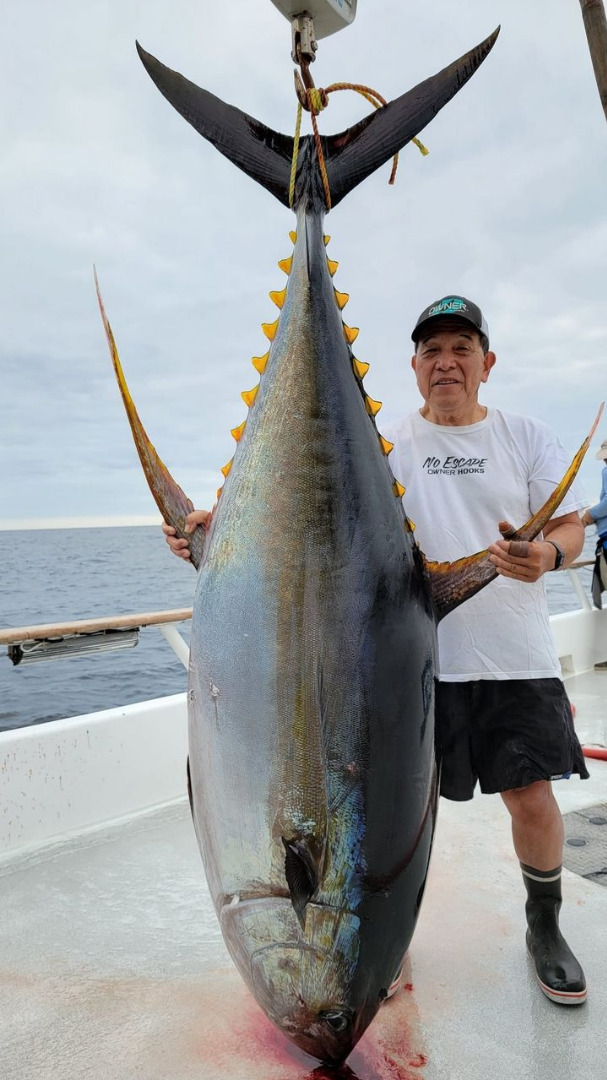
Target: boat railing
(51,641)
(574,577)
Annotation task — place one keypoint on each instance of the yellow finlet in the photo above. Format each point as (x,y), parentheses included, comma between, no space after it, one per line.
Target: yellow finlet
(248,396)
(327,240)
(386,446)
(237,432)
(372,406)
(332,266)
(360,367)
(227,467)
(279,298)
(260,363)
(270,329)
(351,333)
(286,265)
(341,299)
(219,491)
(293,236)
(411,524)
(398,489)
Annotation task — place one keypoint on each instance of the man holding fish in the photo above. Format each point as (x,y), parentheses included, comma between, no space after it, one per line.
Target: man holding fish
(503,718)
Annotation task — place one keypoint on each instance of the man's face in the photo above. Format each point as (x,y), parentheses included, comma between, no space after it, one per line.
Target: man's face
(450,366)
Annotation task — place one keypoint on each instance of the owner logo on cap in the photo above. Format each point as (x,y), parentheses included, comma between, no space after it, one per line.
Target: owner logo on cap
(451,303)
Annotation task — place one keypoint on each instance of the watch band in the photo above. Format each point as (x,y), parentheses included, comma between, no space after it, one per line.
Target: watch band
(560,555)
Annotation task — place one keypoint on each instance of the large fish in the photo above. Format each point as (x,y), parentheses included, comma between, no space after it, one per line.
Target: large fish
(311,687)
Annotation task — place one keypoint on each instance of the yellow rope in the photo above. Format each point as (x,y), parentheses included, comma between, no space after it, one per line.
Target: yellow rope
(295,156)
(318,99)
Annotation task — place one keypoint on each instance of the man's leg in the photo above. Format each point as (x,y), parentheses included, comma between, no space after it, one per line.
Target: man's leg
(537,825)
(537,832)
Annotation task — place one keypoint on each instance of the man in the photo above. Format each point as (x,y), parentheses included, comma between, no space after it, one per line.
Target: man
(502,715)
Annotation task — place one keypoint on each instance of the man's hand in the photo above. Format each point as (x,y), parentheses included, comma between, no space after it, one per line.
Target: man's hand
(527,561)
(521,560)
(180,547)
(587,519)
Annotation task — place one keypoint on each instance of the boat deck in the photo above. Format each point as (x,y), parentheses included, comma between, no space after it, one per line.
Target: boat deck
(112,964)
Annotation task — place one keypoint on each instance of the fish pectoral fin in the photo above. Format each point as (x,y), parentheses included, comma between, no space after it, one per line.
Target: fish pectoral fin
(453,583)
(356,153)
(301,873)
(265,155)
(172,502)
(189,782)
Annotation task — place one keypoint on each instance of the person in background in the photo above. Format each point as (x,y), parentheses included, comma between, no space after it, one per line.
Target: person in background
(597,515)
(502,715)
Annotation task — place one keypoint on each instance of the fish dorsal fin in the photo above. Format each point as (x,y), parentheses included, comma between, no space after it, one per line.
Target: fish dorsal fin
(172,502)
(453,583)
(301,873)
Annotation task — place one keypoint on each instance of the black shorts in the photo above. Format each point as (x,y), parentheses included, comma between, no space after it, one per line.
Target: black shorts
(504,733)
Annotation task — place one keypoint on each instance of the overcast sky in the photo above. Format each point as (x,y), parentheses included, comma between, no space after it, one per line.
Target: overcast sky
(95,167)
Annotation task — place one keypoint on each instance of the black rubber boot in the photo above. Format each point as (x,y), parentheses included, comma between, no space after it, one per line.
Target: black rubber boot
(558,972)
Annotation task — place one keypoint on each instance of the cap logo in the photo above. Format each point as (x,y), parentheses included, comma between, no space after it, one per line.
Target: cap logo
(449,304)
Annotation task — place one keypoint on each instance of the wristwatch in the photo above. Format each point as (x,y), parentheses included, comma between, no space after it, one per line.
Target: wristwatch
(560,555)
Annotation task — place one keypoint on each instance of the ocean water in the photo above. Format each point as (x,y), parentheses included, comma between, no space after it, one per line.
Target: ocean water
(57,575)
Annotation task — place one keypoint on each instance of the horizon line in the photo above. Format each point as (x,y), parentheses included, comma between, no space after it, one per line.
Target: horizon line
(91,522)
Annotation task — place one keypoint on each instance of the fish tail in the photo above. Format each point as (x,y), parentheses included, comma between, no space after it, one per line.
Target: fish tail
(352,156)
(263,154)
(267,156)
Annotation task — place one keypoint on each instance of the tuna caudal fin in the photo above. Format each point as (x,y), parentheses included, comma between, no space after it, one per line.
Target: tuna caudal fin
(359,151)
(262,153)
(350,157)
(453,583)
(173,504)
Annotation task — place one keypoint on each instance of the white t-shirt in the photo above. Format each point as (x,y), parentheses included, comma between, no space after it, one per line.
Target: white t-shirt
(460,482)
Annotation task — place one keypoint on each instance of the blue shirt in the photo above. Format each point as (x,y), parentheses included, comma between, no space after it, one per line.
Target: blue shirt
(599,512)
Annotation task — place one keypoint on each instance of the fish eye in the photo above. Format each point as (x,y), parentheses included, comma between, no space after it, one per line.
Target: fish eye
(337,1019)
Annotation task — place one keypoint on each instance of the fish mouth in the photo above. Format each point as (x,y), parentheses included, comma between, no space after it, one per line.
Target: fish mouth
(311,1011)
(298,976)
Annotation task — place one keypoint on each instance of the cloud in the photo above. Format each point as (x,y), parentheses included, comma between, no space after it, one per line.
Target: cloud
(96,167)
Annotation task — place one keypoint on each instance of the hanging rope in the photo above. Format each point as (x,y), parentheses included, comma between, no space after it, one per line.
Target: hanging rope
(317,99)
(295,155)
(320,98)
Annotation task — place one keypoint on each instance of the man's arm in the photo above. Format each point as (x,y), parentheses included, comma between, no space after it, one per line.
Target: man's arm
(567,531)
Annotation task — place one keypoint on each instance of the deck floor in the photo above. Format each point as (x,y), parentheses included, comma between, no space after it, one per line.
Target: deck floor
(112,965)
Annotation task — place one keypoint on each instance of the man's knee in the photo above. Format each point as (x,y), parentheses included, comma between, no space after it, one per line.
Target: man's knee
(530,801)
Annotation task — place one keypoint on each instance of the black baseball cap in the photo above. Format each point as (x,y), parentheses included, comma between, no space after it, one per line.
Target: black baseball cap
(456,307)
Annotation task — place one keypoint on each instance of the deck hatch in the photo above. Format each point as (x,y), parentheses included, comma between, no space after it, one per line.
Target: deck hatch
(585,850)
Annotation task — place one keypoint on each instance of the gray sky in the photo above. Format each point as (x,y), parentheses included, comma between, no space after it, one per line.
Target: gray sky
(95,166)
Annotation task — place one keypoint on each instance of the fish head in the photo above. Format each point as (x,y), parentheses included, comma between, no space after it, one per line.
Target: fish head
(304,977)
